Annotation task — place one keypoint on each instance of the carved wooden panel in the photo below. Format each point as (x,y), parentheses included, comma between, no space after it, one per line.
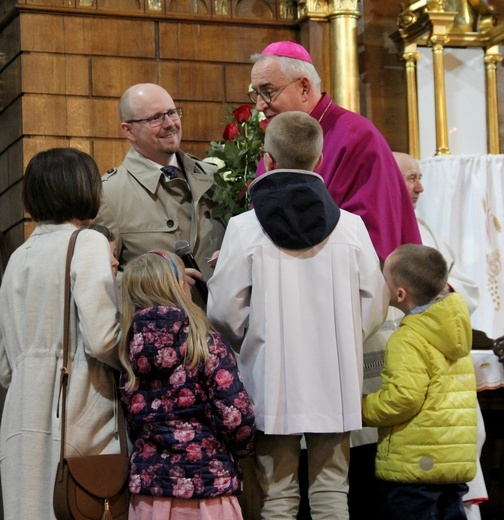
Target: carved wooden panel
(120,5)
(10,42)
(383,82)
(256,10)
(237,84)
(109,153)
(11,83)
(111,76)
(193,7)
(11,124)
(55,74)
(262,8)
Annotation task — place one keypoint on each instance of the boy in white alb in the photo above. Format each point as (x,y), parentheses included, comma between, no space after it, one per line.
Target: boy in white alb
(296,289)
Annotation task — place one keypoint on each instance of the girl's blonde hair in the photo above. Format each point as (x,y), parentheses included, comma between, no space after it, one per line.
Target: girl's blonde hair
(155,279)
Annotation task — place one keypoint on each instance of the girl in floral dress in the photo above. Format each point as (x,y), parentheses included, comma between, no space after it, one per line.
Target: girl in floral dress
(189,416)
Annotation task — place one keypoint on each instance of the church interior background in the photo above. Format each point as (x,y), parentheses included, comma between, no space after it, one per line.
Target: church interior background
(427,73)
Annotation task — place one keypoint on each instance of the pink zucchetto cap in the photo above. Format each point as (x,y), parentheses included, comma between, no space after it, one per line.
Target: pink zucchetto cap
(288,49)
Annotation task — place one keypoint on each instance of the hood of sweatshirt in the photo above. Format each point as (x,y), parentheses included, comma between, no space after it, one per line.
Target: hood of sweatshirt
(294,208)
(446,325)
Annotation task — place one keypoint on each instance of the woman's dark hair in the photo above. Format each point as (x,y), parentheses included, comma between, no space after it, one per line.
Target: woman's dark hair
(62,184)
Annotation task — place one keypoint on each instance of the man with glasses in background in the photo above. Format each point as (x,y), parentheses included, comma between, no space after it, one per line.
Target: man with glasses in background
(158,195)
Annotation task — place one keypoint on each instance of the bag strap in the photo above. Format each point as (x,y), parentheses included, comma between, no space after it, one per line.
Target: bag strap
(65,369)
(64,373)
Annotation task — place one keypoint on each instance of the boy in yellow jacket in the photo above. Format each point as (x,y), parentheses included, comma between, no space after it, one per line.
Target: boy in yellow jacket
(426,408)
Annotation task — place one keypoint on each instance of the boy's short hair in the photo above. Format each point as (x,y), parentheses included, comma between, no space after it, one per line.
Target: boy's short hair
(295,140)
(421,270)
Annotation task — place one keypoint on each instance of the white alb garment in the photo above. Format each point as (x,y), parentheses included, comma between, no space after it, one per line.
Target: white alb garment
(298,319)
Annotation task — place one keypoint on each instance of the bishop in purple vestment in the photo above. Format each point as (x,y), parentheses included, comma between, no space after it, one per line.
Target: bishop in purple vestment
(358,167)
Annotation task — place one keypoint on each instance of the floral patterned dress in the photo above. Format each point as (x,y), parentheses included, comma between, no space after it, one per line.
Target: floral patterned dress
(188,426)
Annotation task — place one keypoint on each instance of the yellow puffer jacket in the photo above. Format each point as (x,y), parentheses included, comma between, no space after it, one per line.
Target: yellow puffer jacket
(425,410)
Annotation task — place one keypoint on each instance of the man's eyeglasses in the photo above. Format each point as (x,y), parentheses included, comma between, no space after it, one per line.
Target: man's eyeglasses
(174,114)
(267,95)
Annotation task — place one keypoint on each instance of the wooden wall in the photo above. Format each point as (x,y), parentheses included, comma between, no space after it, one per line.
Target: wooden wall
(63,69)
(64,66)
(383,79)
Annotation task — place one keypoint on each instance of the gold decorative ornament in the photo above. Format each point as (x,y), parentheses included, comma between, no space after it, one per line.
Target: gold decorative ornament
(494,263)
(450,23)
(411,57)
(155,5)
(343,19)
(342,5)
(221,7)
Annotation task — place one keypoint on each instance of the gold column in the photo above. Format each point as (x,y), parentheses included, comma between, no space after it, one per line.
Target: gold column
(440,20)
(343,18)
(468,23)
(410,57)
(442,145)
(492,57)
(314,35)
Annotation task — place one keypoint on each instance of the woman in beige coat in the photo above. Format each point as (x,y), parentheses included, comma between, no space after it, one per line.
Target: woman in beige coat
(61,191)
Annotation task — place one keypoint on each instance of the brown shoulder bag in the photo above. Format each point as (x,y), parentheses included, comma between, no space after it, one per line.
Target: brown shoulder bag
(93,487)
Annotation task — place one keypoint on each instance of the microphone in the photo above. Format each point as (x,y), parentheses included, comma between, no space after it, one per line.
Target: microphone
(183,249)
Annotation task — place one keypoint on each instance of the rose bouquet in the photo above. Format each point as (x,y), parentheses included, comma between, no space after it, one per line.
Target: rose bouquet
(236,156)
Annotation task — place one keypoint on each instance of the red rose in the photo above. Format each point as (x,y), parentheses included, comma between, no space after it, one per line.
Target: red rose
(242,113)
(263,124)
(230,132)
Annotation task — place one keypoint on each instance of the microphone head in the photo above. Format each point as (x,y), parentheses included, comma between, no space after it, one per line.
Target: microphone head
(182,248)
